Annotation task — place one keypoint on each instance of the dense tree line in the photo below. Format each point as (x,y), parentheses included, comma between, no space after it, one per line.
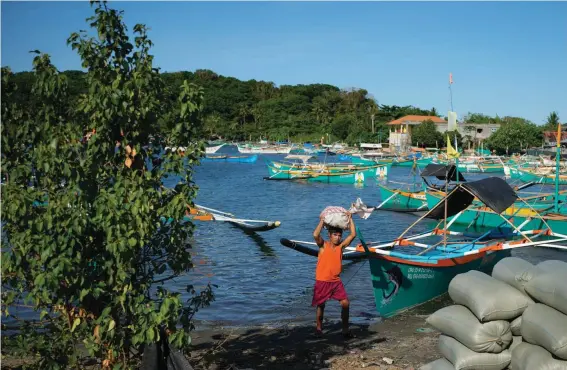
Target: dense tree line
(243,110)
(253,110)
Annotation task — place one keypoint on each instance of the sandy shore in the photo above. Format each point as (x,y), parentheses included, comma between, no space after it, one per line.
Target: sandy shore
(406,340)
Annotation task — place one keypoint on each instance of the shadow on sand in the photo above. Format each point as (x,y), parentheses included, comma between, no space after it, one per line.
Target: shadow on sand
(278,348)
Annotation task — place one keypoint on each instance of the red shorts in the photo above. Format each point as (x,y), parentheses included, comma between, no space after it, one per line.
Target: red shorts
(325,290)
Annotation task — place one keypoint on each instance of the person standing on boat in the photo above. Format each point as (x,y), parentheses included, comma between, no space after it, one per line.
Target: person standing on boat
(328,284)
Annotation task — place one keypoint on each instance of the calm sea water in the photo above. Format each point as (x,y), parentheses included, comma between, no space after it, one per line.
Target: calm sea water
(261,282)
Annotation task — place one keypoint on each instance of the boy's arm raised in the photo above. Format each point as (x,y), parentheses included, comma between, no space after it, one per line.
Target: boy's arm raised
(352,233)
(317,234)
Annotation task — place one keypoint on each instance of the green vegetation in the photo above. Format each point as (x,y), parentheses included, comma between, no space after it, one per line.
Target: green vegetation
(551,122)
(250,110)
(92,256)
(240,110)
(512,137)
(427,134)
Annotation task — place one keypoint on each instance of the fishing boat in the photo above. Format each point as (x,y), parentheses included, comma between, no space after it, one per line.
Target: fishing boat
(415,200)
(541,175)
(302,162)
(420,162)
(264,149)
(325,176)
(202,213)
(407,273)
(535,212)
(231,158)
(213,149)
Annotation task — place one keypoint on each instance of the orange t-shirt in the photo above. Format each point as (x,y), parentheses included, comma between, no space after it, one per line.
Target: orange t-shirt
(329,263)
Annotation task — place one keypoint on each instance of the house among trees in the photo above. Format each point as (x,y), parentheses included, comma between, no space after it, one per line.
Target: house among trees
(550,138)
(401,130)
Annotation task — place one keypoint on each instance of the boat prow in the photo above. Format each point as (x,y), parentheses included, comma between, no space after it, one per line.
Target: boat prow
(305,248)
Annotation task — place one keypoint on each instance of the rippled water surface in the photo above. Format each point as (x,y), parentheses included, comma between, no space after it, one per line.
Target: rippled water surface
(259,280)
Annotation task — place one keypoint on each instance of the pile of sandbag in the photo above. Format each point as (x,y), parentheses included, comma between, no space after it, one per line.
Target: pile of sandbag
(515,319)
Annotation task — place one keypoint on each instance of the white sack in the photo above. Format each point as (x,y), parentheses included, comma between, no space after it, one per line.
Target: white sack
(458,322)
(489,299)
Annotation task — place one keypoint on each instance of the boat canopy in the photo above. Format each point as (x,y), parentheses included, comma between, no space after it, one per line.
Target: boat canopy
(442,172)
(494,192)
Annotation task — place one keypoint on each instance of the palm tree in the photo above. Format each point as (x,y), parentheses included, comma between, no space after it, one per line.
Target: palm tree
(212,123)
(552,121)
(434,112)
(243,112)
(257,113)
(373,111)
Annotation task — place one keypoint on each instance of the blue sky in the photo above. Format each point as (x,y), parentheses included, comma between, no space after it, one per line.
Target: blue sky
(507,58)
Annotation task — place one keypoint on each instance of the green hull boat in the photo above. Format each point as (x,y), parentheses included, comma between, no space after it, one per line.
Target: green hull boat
(410,271)
(422,162)
(480,217)
(279,171)
(528,176)
(399,284)
(353,177)
(402,200)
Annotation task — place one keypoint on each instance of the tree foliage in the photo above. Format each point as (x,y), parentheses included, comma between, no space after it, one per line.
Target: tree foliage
(241,110)
(552,122)
(87,247)
(514,136)
(426,134)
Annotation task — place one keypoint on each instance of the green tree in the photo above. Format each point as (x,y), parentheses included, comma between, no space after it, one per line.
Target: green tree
(479,118)
(426,134)
(552,122)
(88,244)
(452,135)
(515,136)
(434,112)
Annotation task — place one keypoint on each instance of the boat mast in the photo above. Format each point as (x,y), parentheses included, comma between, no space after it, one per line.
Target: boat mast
(557,159)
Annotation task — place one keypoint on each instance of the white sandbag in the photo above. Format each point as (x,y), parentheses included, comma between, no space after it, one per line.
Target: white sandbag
(514,271)
(463,358)
(516,340)
(549,285)
(439,364)
(335,217)
(556,265)
(546,327)
(460,323)
(527,356)
(489,299)
(516,325)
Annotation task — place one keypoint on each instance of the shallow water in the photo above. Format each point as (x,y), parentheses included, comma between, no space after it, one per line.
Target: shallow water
(259,280)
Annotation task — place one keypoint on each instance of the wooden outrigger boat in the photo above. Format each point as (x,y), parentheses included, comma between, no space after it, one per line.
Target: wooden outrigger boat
(343,177)
(302,162)
(545,175)
(213,149)
(414,201)
(538,214)
(230,158)
(201,213)
(407,273)
(323,172)
(264,149)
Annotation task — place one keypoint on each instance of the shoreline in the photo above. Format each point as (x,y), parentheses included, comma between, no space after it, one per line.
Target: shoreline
(404,342)
(405,339)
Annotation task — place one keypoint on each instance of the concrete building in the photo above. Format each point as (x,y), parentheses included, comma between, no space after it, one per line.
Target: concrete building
(401,128)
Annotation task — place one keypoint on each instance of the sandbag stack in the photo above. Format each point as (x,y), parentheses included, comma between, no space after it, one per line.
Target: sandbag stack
(515,319)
